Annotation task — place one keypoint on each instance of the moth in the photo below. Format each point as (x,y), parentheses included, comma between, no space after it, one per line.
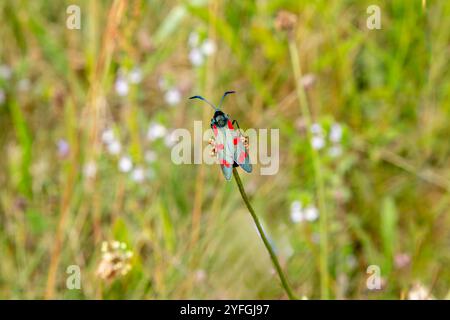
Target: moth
(230,146)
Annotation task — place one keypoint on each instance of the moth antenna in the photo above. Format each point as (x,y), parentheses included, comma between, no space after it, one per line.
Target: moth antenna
(223,97)
(201,98)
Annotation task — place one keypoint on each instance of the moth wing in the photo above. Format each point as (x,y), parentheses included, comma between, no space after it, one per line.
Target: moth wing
(241,156)
(225,150)
(227,170)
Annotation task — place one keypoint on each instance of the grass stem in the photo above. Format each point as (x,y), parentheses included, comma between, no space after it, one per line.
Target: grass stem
(269,248)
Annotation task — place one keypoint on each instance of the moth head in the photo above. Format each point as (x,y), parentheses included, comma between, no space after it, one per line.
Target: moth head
(220,118)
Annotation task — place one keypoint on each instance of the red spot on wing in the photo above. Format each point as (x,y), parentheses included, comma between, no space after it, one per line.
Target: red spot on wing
(242,157)
(235,141)
(230,126)
(225,163)
(215,130)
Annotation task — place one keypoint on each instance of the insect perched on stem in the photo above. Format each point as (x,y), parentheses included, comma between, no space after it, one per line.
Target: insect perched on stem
(230,146)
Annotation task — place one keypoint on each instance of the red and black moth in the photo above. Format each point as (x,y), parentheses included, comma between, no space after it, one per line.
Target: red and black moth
(229,143)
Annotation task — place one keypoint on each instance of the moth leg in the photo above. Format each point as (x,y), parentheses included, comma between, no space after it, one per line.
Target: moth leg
(244,139)
(235,122)
(212,142)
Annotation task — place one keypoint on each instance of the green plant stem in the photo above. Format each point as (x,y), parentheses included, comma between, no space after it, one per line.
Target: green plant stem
(272,254)
(301,95)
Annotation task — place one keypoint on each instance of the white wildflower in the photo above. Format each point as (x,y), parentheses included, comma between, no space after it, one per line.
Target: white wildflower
(125,164)
(63,148)
(5,72)
(297,216)
(296,212)
(296,206)
(172,96)
(135,75)
(162,83)
(115,245)
(419,292)
(316,129)
(208,47)
(200,275)
(150,156)
(90,169)
(155,131)
(335,151)
(311,213)
(308,80)
(196,57)
(114,147)
(121,86)
(318,142)
(193,39)
(402,260)
(138,174)
(336,132)
(2,96)
(170,139)
(108,136)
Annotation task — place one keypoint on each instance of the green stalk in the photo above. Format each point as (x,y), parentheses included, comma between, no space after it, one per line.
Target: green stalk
(301,95)
(272,254)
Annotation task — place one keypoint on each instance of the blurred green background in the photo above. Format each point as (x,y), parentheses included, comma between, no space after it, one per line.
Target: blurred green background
(86,118)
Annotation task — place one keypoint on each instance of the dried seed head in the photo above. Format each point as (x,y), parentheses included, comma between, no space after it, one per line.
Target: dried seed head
(212,142)
(285,21)
(115,260)
(245,140)
(419,292)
